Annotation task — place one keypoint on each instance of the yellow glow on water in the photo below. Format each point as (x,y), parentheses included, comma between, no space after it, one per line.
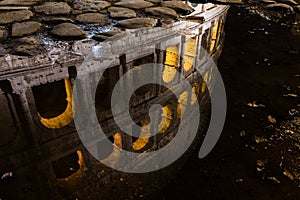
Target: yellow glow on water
(142,141)
(171,63)
(214,36)
(66,117)
(205,80)
(166,118)
(189,54)
(114,157)
(77,177)
(182,102)
(195,91)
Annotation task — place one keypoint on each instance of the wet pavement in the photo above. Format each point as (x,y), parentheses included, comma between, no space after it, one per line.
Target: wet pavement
(258,154)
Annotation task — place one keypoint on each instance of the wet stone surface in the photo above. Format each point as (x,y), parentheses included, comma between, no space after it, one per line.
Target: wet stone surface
(71,20)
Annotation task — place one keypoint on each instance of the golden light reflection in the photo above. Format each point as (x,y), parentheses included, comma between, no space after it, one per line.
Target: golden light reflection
(214,36)
(182,102)
(77,177)
(195,92)
(205,80)
(171,63)
(142,141)
(114,157)
(189,54)
(166,118)
(66,117)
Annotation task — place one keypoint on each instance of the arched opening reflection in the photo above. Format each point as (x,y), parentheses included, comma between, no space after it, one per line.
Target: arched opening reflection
(189,53)
(171,63)
(69,170)
(54,103)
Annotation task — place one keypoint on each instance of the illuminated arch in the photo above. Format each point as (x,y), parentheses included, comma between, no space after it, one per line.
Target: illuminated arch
(214,35)
(182,102)
(166,118)
(143,140)
(66,117)
(171,63)
(189,54)
(76,177)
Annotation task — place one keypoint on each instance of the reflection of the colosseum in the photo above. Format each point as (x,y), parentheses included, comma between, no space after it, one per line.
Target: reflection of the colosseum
(37,129)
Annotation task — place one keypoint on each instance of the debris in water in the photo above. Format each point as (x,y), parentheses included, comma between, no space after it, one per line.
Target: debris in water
(239,180)
(242,133)
(293,112)
(259,139)
(271,119)
(6,176)
(254,105)
(288,174)
(274,180)
(290,95)
(260,165)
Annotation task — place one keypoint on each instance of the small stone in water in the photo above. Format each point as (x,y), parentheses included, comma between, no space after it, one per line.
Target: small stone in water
(242,133)
(290,95)
(259,139)
(274,180)
(239,180)
(293,112)
(254,105)
(271,119)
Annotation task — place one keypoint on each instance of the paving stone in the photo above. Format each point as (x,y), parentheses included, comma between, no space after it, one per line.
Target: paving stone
(15,16)
(25,28)
(134,4)
(68,30)
(179,6)
(83,6)
(162,12)
(90,18)
(19,2)
(53,8)
(137,23)
(118,12)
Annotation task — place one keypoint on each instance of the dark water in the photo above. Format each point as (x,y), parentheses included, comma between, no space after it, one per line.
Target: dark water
(254,158)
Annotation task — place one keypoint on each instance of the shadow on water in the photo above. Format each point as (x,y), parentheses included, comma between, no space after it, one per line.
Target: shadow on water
(254,158)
